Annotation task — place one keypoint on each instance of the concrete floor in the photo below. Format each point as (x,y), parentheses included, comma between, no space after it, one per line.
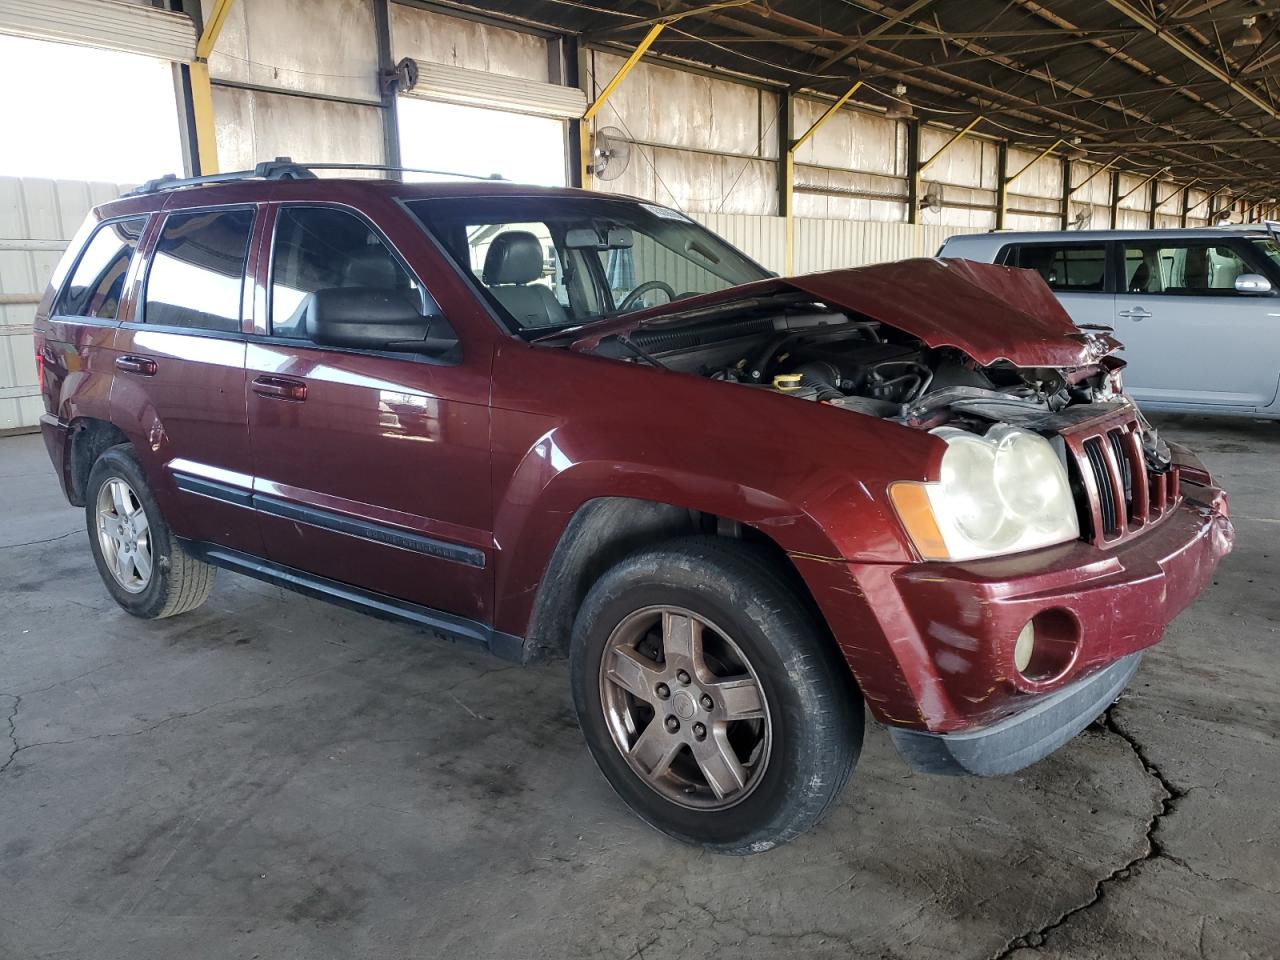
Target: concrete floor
(274,777)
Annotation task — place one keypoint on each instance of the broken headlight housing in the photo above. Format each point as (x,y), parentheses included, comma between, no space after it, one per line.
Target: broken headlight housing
(1001,493)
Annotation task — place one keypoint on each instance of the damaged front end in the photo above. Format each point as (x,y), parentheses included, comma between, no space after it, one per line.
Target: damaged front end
(1056,534)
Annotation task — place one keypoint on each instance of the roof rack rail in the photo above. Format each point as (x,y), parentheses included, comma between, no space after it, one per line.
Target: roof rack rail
(284,168)
(281,168)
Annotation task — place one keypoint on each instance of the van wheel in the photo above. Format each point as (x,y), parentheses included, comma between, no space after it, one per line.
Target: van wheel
(145,569)
(711,700)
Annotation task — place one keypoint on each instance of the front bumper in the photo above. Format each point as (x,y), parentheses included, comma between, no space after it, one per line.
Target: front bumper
(931,644)
(1023,738)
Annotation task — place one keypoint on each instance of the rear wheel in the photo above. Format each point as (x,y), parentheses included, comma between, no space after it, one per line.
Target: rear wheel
(144,568)
(710,699)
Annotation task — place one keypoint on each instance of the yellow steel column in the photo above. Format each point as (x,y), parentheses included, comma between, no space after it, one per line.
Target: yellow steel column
(789,170)
(202,91)
(919,174)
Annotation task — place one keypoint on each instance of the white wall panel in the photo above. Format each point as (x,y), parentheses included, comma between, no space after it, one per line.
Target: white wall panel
(252,126)
(35,213)
(309,46)
(425,35)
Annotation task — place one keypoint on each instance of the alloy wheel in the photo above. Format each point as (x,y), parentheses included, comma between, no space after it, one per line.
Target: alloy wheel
(124,535)
(685,708)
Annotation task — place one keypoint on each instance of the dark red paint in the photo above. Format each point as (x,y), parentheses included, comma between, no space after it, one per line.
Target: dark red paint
(498,451)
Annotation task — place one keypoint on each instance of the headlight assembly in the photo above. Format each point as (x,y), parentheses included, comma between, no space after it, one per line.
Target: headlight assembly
(1001,493)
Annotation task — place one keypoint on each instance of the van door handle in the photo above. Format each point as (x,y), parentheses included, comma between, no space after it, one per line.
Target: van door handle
(140,365)
(280,388)
(1137,313)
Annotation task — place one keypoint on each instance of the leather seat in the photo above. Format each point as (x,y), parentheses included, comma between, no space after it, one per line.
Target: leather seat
(511,266)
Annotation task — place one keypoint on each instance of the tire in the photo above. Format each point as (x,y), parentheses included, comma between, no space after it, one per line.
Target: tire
(175,582)
(796,738)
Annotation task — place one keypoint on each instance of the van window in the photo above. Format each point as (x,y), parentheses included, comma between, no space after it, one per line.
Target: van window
(1068,267)
(1204,269)
(96,286)
(319,248)
(197,272)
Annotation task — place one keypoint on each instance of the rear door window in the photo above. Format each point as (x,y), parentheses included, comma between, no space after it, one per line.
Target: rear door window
(320,248)
(1076,267)
(1203,269)
(97,284)
(196,279)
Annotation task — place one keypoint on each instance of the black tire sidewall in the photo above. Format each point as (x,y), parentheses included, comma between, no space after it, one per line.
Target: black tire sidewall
(815,711)
(119,462)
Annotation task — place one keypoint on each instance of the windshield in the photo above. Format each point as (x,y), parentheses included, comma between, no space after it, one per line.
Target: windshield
(546,263)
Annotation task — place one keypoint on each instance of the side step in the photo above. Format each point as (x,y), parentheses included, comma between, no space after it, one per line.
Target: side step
(504,645)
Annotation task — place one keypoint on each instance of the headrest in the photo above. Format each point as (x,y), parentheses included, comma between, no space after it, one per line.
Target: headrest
(372,267)
(515,256)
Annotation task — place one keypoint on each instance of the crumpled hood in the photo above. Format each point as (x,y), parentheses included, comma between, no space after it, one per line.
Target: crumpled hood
(987,311)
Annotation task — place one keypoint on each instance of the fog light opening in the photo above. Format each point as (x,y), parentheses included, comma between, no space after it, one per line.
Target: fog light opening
(1046,646)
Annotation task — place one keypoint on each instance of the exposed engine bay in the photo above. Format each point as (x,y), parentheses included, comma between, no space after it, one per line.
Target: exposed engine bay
(807,351)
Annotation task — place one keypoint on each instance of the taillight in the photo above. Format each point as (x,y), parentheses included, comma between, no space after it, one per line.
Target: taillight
(40,368)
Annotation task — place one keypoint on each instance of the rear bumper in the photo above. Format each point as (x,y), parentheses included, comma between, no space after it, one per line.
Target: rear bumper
(1023,738)
(56,435)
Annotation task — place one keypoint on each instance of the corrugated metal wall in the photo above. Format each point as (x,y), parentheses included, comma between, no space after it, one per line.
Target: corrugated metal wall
(37,218)
(826,244)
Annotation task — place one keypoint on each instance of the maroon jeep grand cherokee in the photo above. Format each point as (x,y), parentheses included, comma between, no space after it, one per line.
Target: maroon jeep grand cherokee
(557,422)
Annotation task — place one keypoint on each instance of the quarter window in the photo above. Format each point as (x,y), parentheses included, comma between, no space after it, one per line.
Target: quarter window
(1075,267)
(319,248)
(197,272)
(1190,270)
(97,284)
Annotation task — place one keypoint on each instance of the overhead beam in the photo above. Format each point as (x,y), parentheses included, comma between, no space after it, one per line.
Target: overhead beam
(891,20)
(1162,32)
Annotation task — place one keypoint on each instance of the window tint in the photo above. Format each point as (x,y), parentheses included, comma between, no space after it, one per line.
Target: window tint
(197,271)
(319,248)
(1189,269)
(97,284)
(1075,267)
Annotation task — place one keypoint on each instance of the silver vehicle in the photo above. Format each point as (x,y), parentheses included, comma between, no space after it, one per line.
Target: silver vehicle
(1198,310)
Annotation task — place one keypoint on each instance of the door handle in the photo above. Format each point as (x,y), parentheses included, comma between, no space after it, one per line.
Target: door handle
(280,388)
(139,365)
(1137,313)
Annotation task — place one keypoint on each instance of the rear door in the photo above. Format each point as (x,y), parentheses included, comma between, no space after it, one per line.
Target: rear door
(179,384)
(1189,337)
(372,469)
(1076,271)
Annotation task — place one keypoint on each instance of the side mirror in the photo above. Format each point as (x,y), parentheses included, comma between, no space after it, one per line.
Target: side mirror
(1252,283)
(368,318)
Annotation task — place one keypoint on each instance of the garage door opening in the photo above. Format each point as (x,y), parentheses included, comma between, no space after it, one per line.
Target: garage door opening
(479,142)
(76,113)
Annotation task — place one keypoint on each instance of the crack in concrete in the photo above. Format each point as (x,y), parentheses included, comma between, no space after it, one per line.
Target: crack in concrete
(13,731)
(1034,939)
(17,700)
(32,543)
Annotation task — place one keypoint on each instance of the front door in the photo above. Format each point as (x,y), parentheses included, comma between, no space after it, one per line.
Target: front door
(1189,336)
(179,375)
(372,469)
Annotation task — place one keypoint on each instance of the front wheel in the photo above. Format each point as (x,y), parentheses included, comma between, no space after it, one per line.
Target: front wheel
(710,699)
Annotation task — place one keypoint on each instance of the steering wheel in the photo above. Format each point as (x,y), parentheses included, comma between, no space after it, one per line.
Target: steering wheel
(632,298)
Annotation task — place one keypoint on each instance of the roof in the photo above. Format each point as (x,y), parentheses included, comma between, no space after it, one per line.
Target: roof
(1001,237)
(1153,84)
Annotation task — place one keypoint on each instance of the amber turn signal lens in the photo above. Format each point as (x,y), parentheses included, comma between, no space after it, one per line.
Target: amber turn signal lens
(911,500)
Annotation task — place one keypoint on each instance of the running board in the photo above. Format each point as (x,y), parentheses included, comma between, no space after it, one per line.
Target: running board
(504,645)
